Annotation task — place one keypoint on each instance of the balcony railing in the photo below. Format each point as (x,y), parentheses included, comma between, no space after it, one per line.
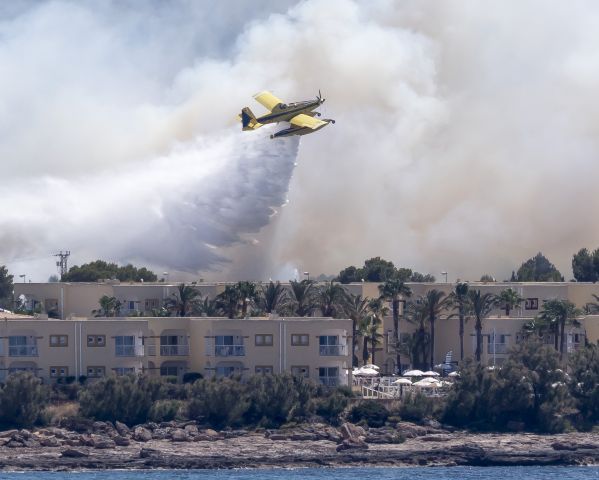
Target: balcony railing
(22,351)
(229,350)
(496,348)
(329,381)
(573,347)
(129,351)
(174,350)
(332,350)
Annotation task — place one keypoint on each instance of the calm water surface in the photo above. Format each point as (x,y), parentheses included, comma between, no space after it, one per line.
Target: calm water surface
(454,473)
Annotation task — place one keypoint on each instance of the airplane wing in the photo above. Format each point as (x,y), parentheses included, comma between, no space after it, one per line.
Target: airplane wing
(267,100)
(303,120)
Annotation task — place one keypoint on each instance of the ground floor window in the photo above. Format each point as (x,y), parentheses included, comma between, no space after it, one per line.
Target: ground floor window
(328,376)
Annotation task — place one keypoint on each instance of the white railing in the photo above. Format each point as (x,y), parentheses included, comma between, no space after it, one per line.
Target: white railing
(174,350)
(500,348)
(229,350)
(329,381)
(129,350)
(369,392)
(22,351)
(332,350)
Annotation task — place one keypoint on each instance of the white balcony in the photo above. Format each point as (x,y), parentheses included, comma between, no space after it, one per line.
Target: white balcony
(332,350)
(229,351)
(129,350)
(174,350)
(22,351)
(329,381)
(497,348)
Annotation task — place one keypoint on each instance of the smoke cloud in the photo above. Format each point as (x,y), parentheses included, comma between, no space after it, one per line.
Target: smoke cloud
(466,135)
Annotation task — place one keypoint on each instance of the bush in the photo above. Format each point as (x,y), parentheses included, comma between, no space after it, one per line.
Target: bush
(372,412)
(166,410)
(273,399)
(218,402)
(332,406)
(21,400)
(127,399)
(191,377)
(416,407)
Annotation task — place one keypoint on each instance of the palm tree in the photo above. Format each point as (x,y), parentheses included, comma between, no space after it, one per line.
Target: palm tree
(331,299)
(433,304)
(109,307)
(459,300)
(248,294)
(560,313)
(357,308)
(363,327)
(377,311)
(209,307)
(184,300)
(228,301)
(392,290)
(302,294)
(509,299)
(274,297)
(418,343)
(480,306)
(374,335)
(592,308)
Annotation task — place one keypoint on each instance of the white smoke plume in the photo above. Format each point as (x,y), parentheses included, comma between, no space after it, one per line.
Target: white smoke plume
(466,135)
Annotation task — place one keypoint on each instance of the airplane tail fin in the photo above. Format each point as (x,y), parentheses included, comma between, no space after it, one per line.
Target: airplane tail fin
(248,120)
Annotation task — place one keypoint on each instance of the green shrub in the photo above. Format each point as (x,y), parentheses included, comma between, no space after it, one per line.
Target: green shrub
(166,410)
(416,407)
(370,411)
(127,399)
(331,406)
(21,400)
(218,402)
(273,399)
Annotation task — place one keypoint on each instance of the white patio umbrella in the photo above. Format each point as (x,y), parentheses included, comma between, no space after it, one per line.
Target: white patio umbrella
(371,365)
(430,373)
(453,374)
(428,383)
(413,373)
(402,381)
(366,372)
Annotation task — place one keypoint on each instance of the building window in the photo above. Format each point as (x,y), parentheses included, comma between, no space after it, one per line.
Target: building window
(301,371)
(329,376)
(263,370)
(226,371)
(96,372)
(264,340)
(59,340)
(228,346)
(531,304)
(120,371)
(96,340)
(22,346)
(169,370)
(151,304)
(57,372)
(124,346)
(300,339)
(329,345)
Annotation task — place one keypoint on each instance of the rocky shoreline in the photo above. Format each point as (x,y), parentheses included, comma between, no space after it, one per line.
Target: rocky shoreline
(173,445)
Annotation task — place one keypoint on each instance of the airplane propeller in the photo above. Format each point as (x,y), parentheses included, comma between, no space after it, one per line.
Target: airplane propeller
(319,97)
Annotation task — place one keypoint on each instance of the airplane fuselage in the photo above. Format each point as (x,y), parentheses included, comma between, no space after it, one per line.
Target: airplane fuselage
(285,112)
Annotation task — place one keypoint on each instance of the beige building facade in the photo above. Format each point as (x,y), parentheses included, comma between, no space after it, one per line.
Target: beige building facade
(500,331)
(315,348)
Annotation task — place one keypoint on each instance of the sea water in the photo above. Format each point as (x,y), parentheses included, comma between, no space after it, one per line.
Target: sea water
(422,473)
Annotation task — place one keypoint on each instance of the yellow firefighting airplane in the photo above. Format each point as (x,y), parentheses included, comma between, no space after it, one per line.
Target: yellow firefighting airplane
(299,114)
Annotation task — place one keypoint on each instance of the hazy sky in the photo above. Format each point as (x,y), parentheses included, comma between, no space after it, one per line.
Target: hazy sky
(466,135)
